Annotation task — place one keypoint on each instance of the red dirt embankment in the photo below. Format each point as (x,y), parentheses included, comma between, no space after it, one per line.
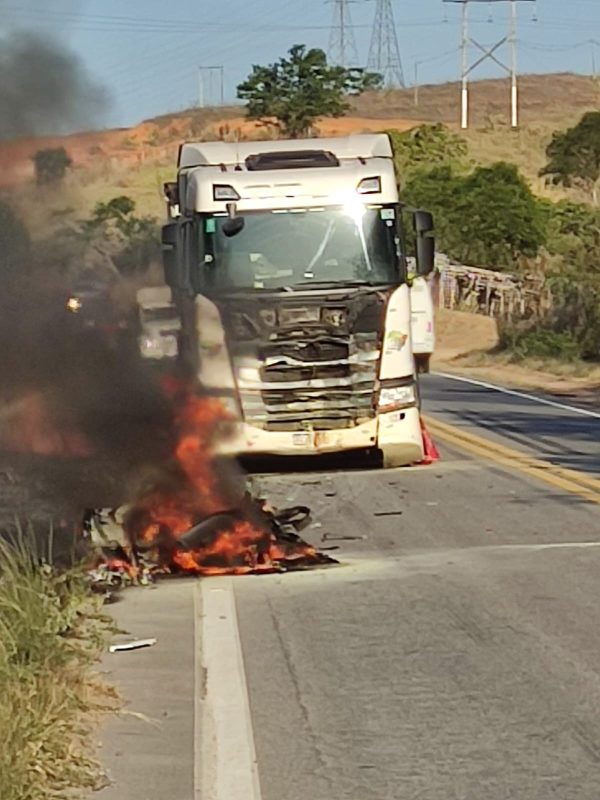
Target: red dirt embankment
(152,141)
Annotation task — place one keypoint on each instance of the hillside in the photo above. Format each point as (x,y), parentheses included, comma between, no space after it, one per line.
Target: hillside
(135,161)
(548,99)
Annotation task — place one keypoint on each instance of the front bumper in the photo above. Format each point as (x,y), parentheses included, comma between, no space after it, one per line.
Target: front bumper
(397,434)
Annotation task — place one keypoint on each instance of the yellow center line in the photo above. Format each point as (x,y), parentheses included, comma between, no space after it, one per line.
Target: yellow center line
(559,477)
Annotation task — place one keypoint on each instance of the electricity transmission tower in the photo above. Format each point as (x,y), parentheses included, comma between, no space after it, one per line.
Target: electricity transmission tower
(384,52)
(342,44)
(205,85)
(489,52)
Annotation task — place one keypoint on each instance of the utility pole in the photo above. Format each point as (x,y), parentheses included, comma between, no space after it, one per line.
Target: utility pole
(416,89)
(593,43)
(207,73)
(384,51)
(342,44)
(514,89)
(464,45)
(489,53)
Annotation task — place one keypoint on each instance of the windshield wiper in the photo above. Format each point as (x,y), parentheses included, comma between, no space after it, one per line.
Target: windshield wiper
(340,284)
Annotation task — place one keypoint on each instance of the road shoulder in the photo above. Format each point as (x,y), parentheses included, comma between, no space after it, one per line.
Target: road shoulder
(148,749)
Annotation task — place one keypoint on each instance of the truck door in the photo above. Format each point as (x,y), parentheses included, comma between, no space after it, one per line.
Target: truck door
(422,322)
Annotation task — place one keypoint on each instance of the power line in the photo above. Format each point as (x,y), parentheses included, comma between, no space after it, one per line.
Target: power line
(384,51)
(419,62)
(342,44)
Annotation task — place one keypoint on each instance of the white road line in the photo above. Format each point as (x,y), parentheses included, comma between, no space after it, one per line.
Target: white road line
(550,546)
(533,398)
(224,739)
(198,693)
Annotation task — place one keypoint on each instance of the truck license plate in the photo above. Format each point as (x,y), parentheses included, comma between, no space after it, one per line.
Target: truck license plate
(301,439)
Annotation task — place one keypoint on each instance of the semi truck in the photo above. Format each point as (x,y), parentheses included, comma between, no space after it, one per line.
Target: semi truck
(287,262)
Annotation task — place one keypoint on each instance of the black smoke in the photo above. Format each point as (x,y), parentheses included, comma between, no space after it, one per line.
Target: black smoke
(44,86)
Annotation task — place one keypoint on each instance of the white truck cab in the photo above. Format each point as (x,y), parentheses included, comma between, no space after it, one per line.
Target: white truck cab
(288,267)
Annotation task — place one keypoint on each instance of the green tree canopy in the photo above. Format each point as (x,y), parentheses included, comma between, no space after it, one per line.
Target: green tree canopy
(51,165)
(573,233)
(574,155)
(487,218)
(425,147)
(293,92)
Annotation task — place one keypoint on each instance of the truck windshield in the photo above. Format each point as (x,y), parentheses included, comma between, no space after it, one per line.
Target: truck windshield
(278,249)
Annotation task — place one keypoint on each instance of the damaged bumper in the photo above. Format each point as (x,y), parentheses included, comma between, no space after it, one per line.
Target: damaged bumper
(397,434)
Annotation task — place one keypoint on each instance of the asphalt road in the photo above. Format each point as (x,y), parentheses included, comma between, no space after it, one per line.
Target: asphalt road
(548,429)
(453,655)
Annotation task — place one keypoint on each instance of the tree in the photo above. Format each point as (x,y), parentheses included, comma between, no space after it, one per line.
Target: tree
(425,147)
(487,218)
(291,93)
(127,243)
(574,155)
(51,165)
(573,234)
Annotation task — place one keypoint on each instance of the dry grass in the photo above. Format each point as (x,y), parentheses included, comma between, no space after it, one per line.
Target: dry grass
(554,99)
(51,632)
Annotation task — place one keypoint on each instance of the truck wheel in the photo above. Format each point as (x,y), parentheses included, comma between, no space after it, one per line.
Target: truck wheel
(422,361)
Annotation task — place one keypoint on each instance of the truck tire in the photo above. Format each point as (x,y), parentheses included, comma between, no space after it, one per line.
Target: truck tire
(422,361)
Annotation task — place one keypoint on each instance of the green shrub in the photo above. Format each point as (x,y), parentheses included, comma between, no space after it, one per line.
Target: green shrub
(539,342)
(489,218)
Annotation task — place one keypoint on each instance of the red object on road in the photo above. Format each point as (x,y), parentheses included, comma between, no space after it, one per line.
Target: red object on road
(432,454)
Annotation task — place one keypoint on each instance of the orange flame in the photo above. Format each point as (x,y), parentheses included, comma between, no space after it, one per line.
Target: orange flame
(27,427)
(240,547)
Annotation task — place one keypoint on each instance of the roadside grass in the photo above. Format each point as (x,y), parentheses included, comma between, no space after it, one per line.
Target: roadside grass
(52,631)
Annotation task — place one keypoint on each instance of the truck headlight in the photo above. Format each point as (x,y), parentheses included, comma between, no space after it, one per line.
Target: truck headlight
(395,397)
(169,346)
(150,347)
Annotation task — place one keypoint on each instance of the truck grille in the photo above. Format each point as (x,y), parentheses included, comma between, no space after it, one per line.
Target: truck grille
(320,384)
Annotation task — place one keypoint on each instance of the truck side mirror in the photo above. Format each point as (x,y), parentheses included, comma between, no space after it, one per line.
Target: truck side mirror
(234,224)
(171,194)
(176,240)
(425,242)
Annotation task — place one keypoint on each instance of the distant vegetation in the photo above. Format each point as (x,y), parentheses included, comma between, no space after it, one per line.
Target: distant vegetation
(113,241)
(128,243)
(574,156)
(489,217)
(51,165)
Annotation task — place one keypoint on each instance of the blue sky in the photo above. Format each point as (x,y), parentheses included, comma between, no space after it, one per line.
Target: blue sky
(147,51)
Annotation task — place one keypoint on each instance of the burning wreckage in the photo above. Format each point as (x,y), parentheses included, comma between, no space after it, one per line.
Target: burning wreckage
(197,517)
(253,538)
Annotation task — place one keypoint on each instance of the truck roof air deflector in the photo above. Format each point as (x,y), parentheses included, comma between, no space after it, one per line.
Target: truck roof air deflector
(291,159)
